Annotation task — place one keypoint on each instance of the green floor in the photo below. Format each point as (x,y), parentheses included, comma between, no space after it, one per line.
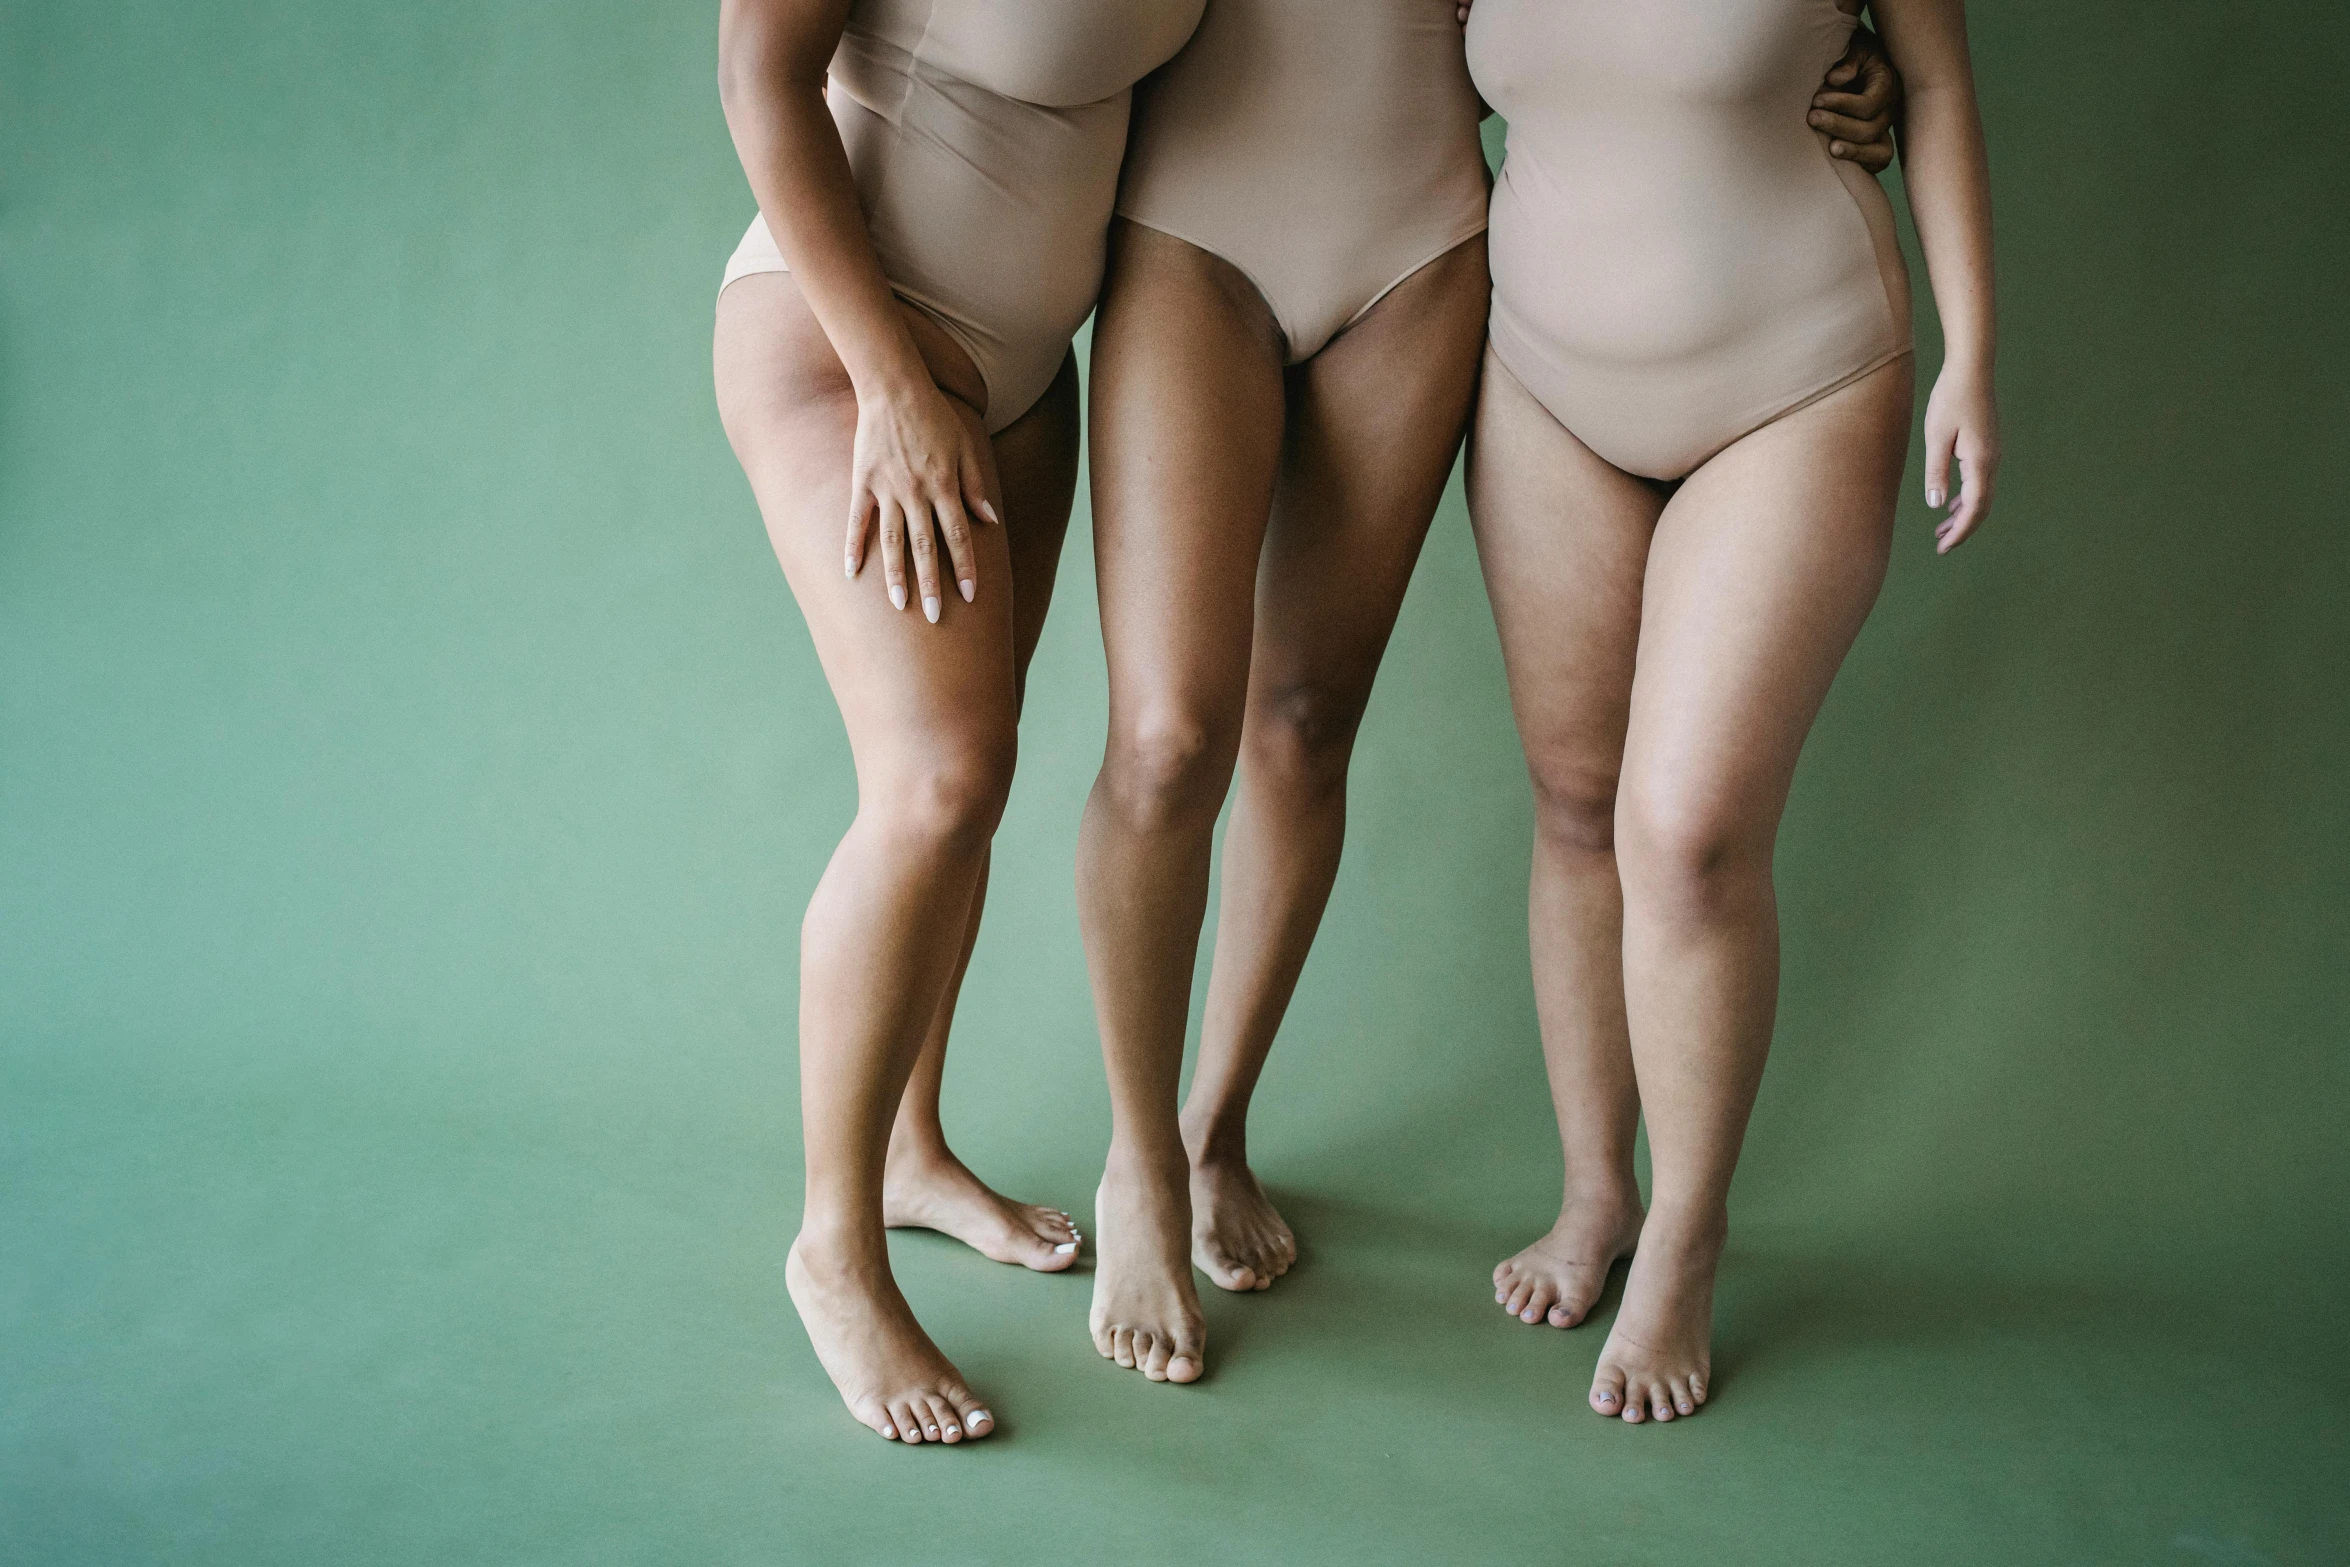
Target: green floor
(412,771)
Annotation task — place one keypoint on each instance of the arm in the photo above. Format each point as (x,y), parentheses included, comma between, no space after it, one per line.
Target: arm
(1949,180)
(915,465)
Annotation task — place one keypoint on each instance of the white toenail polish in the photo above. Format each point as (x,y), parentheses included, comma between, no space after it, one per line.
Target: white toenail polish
(1064,1248)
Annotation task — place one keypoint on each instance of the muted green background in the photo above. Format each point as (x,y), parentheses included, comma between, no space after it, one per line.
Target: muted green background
(412,770)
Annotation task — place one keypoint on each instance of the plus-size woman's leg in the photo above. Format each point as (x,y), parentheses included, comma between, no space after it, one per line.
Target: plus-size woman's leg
(926,1186)
(1374,422)
(1752,581)
(930,712)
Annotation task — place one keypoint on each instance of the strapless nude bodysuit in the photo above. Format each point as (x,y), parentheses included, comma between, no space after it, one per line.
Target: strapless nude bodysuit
(985,136)
(1677,260)
(1326,148)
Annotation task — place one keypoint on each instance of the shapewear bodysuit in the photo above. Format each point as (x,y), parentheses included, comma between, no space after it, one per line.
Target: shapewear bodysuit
(985,137)
(1677,260)
(1326,148)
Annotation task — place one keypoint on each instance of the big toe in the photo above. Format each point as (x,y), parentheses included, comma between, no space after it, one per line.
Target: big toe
(1186,1365)
(1607,1391)
(1225,1271)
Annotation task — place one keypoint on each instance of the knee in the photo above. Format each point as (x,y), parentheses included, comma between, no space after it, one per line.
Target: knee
(1689,858)
(948,800)
(1301,737)
(1166,768)
(1574,801)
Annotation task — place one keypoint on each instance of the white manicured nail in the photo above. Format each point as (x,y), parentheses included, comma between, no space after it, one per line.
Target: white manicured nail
(897,596)
(1933,497)
(970,589)
(1064,1248)
(930,608)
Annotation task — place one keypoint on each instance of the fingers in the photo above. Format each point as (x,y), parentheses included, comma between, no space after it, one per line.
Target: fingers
(955,527)
(1974,500)
(1874,156)
(860,529)
(1939,446)
(1879,88)
(893,551)
(922,544)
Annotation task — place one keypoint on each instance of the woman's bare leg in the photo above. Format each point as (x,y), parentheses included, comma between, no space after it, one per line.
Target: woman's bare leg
(1374,421)
(1187,411)
(1765,564)
(1563,538)
(931,718)
(926,1186)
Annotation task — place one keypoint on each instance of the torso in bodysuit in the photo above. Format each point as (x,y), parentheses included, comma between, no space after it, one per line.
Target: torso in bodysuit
(1676,258)
(1326,148)
(986,137)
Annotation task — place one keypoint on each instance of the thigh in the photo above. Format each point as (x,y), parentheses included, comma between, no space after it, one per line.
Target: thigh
(1036,465)
(1186,441)
(1765,564)
(1563,538)
(1374,422)
(903,685)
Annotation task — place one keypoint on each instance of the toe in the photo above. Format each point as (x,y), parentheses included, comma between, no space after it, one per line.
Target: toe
(942,1413)
(876,1418)
(1563,1315)
(1122,1347)
(1224,1270)
(1607,1391)
(1538,1303)
(908,1422)
(969,1413)
(1186,1364)
(1154,1363)
(1683,1403)
(1660,1401)
(1697,1386)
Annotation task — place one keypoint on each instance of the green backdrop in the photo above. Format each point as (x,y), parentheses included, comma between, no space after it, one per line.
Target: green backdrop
(412,770)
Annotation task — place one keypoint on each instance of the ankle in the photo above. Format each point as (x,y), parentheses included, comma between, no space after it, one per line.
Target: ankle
(1216,1139)
(1134,1164)
(1687,1229)
(1606,1194)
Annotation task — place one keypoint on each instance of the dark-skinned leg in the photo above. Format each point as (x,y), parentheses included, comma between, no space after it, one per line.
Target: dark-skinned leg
(1374,422)
(1187,411)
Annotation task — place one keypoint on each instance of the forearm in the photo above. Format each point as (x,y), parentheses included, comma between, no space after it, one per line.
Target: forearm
(771,83)
(1949,184)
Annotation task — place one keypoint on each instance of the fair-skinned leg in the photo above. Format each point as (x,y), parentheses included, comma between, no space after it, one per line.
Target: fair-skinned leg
(1187,411)
(1564,540)
(930,712)
(1765,564)
(1374,421)
(926,1186)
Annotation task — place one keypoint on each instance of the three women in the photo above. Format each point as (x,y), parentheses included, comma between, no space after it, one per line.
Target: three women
(1287,353)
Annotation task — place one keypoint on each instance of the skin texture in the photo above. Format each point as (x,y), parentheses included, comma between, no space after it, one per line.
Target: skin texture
(1244,612)
(843,403)
(1187,381)
(1668,647)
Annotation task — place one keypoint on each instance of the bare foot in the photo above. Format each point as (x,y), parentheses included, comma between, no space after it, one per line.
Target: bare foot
(1658,1358)
(936,1191)
(889,1373)
(1145,1309)
(1556,1279)
(1237,1238)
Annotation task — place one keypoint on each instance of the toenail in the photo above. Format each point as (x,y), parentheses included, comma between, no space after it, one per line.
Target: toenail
(1064,1248)
(954,1430)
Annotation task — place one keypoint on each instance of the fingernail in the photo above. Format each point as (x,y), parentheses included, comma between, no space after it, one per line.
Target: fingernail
(987,510)
(1064,1248)
(1933,497)
(897,596)
(1817,118)
(848,566)
(970,589)
(930,608)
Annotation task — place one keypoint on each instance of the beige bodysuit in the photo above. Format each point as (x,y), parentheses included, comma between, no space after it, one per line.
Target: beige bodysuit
(985,136)
(1677,260)
(1326,148)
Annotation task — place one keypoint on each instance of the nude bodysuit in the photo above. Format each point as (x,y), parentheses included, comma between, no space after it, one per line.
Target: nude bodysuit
(985,137)
(1326,148)
(1676,258)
